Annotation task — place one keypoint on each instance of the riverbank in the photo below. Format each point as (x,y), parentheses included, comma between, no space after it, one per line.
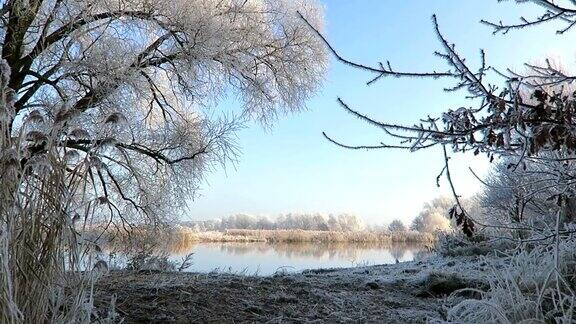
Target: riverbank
(297,236)
(181,239)
(406,292)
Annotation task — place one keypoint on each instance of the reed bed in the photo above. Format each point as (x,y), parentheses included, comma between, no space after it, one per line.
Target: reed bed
(303,236)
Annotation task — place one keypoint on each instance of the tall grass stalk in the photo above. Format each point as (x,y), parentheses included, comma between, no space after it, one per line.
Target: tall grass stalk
(40,249)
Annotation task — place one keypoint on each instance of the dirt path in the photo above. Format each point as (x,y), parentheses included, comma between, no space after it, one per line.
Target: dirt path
(407,292)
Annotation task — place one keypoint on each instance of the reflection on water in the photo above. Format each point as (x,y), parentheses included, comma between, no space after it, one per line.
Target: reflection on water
(266,258)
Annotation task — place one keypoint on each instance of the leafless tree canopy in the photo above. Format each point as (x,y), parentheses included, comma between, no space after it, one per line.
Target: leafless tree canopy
(128,88)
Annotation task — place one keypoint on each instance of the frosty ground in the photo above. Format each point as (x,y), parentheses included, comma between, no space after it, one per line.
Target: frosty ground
(416,292)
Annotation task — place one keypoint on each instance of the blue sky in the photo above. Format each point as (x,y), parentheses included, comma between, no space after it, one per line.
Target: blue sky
(292,168)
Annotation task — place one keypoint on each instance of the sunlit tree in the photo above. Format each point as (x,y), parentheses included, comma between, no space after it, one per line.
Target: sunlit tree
(433,216)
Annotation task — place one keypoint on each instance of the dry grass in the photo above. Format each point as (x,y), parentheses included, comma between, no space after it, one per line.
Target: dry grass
(526,287)
(39,246)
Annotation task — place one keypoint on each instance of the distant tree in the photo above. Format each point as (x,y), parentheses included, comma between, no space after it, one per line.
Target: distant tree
(320,222)
(316,222)
(350,222)
(202,226)
(333,223)
(433,217)
(239,221)
(264,223)
(397,226)
(286,221)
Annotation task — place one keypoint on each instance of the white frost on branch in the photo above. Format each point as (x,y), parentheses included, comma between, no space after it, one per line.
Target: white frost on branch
(130,88)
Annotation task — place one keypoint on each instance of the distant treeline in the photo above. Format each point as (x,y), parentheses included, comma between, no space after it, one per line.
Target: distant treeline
(292,221)
(432,217)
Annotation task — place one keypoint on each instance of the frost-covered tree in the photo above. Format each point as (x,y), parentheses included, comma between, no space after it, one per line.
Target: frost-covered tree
(396,226)
(239,221)
(110,114)
(333,223)
(264,223)
(350,222)
(519,196)
(433,216)
(320,222)
(129,88)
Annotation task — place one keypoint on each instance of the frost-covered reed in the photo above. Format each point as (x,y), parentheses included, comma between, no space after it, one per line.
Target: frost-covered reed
(40,249)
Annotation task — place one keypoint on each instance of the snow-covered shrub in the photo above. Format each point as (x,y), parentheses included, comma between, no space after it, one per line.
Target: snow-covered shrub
(521,202)
(149,261)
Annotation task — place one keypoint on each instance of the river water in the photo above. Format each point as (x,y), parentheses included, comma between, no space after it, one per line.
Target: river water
(267,258)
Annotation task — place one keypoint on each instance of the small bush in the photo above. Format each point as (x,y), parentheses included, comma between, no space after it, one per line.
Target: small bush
(148,261)
(437,284)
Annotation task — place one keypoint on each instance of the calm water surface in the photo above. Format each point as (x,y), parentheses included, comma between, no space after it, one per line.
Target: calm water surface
(266,258)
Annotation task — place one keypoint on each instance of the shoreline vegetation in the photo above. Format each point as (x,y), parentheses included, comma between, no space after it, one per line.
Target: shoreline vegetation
(303,236)
(181,239)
